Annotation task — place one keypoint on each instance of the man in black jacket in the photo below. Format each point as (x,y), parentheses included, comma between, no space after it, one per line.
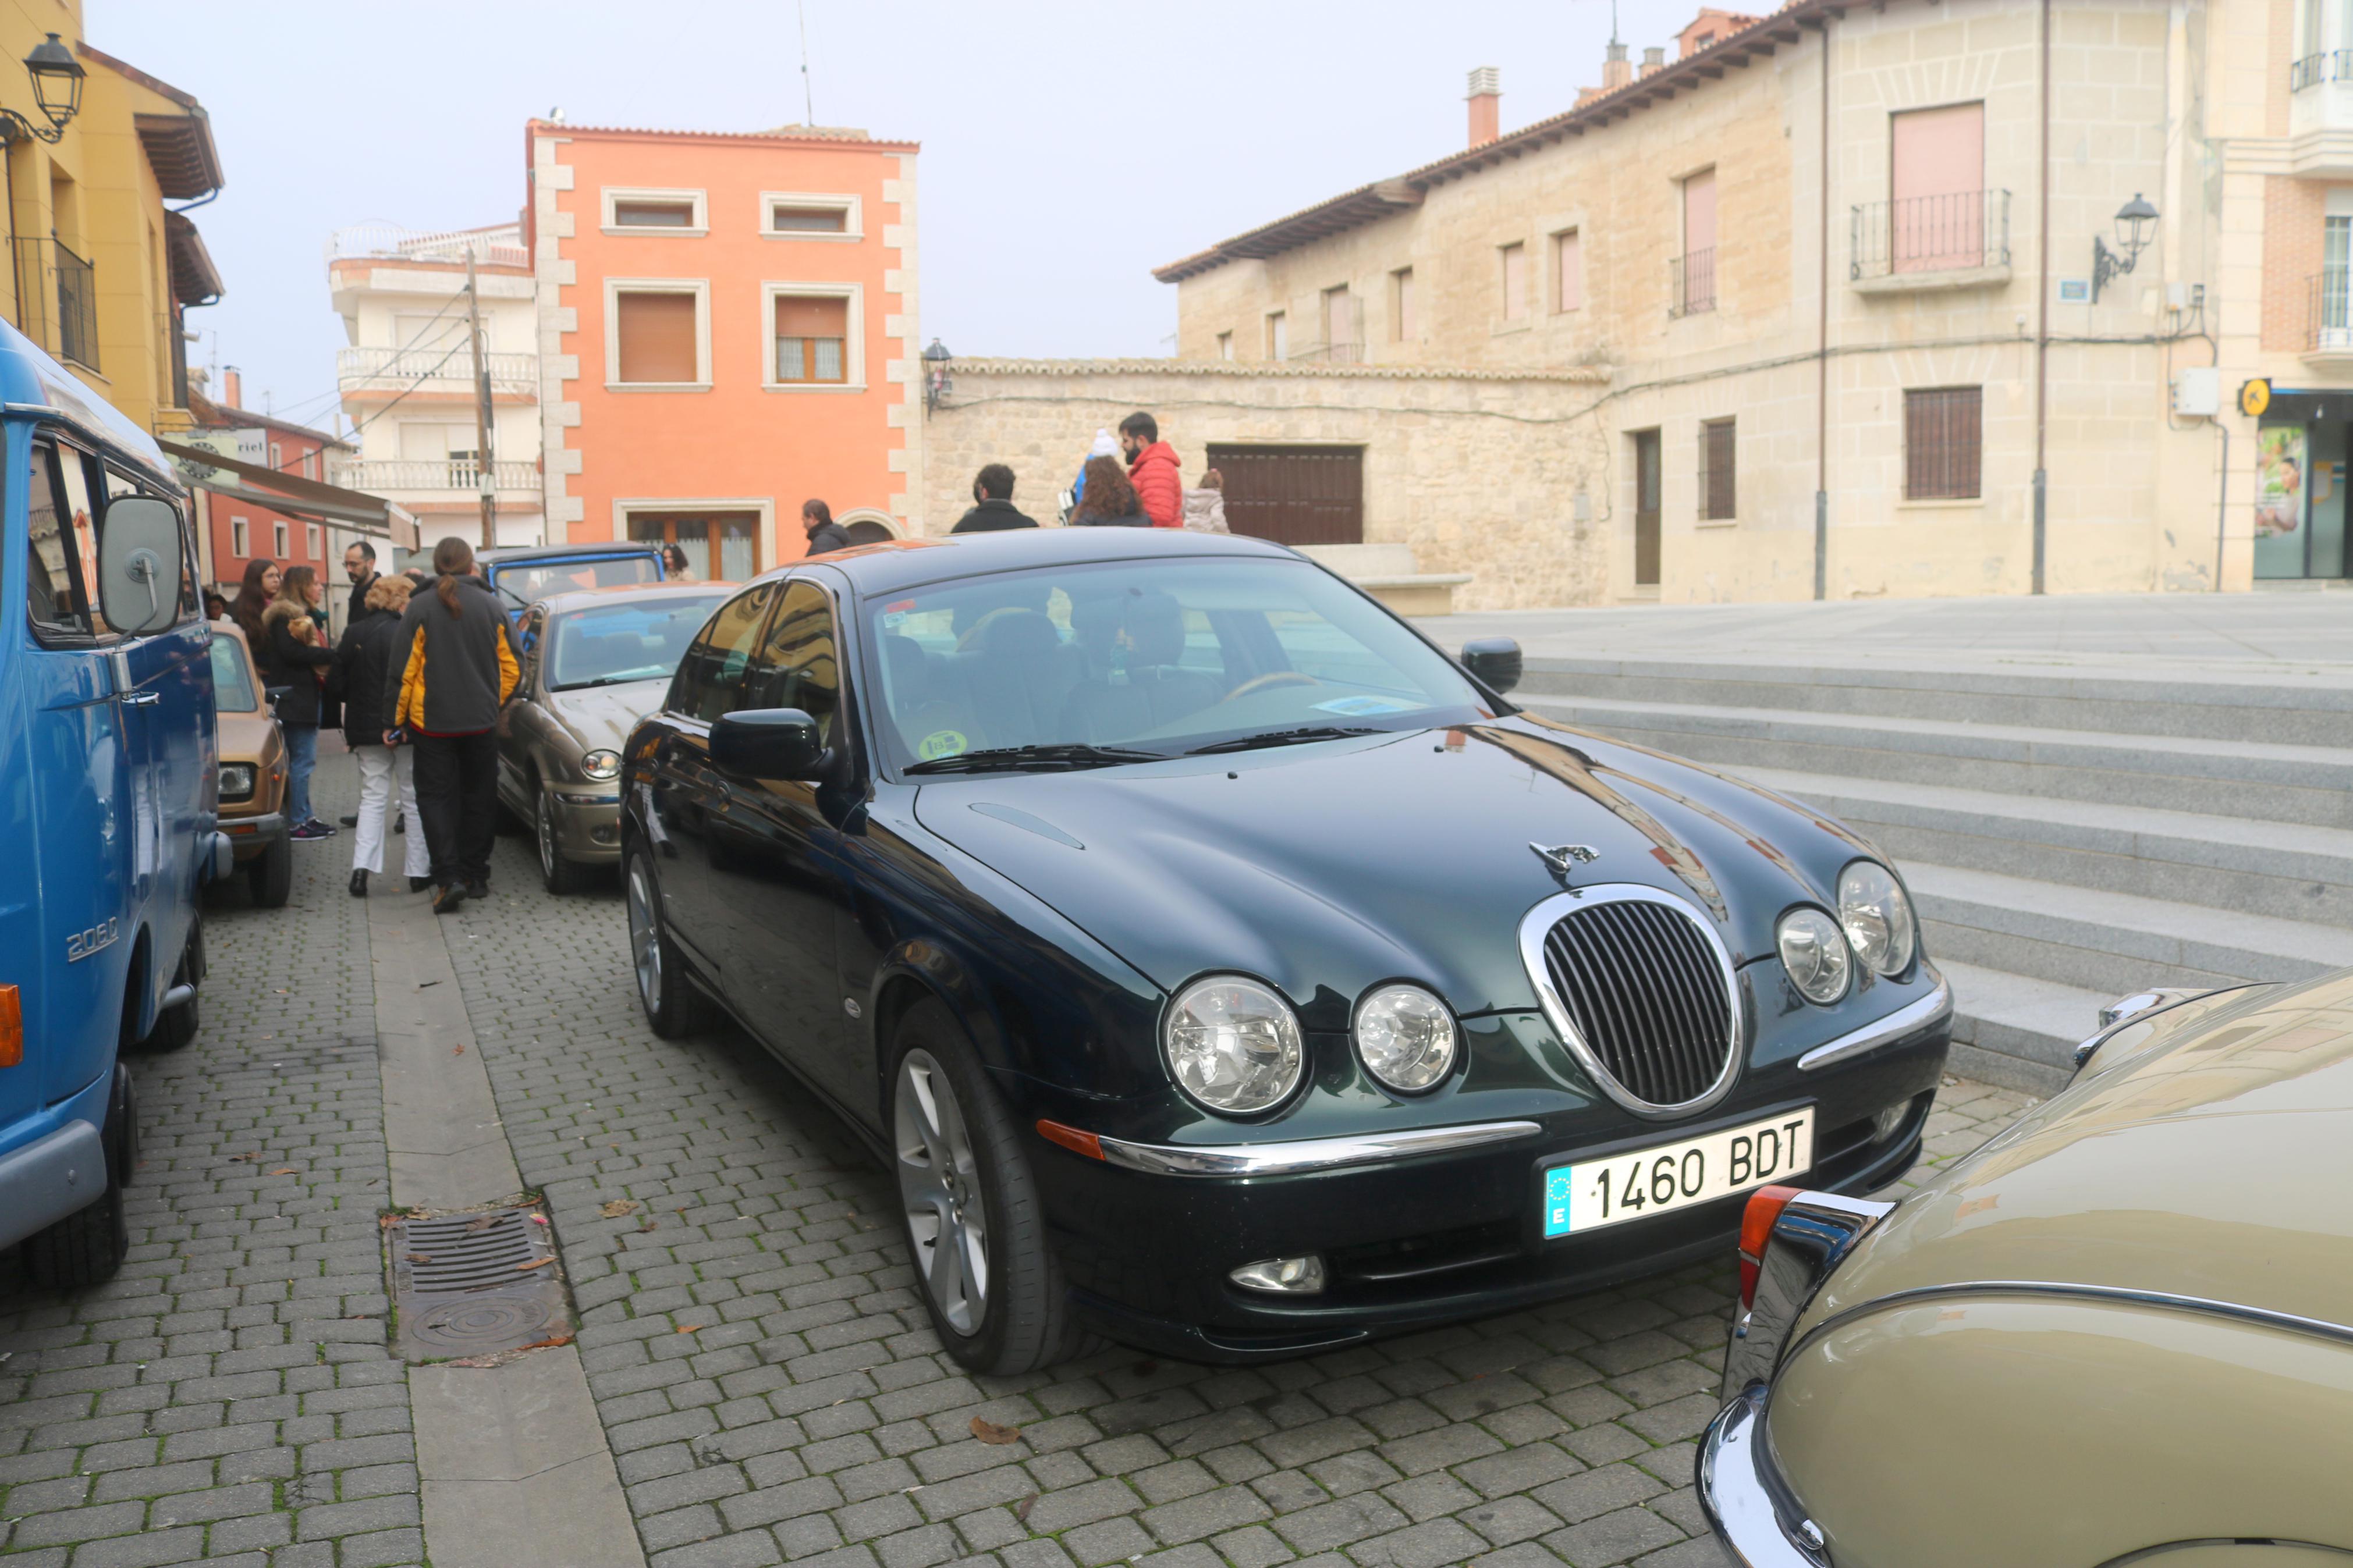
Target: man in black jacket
(992,491)
(452,668)
(359,566)
(824,533)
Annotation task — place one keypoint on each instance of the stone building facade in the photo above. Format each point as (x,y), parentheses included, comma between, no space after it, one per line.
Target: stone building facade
(1825,284)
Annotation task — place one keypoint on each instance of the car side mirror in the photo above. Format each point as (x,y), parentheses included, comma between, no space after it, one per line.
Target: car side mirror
(769,743)
(1494,660)
(140,565)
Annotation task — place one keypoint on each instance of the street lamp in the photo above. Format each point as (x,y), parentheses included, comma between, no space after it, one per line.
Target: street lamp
(937,383)
(57,89)
(2134,221)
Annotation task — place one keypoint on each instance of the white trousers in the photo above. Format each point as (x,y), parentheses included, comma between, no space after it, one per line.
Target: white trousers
(379,767)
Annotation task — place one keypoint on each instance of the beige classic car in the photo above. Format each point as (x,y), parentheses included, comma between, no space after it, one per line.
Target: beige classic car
(252,771)
(594,662)
(2122,1331)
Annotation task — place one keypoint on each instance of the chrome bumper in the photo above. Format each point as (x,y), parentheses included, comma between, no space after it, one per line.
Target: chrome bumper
(1309,1154)
(50,1178)
(1738,1499)
(1928,1010)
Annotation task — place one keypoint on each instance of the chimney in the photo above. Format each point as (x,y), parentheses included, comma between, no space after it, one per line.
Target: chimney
(1486,105)
(1653,61)
(1615,72)
(232,387)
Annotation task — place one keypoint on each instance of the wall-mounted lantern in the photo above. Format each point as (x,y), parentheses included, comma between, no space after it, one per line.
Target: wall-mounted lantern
(937,382)
(2134,220)
(56,89)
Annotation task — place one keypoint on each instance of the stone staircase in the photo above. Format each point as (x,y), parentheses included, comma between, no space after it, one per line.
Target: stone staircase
(2067,837)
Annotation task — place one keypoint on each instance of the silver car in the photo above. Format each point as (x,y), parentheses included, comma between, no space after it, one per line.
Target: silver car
(595,661)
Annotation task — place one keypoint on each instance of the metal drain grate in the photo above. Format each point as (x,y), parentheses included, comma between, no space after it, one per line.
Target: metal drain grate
(466,1284)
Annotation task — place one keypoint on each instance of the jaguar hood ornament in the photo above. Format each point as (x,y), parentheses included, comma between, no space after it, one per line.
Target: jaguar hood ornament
(1564,858)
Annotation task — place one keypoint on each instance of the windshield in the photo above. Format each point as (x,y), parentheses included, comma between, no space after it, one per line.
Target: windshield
(1157,657)
(523,582)
(232,678)
(613,643)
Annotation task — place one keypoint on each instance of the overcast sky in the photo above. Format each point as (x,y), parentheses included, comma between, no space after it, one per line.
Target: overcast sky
(1068,149)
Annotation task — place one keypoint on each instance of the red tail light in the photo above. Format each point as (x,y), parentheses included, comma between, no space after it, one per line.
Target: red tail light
(1756,1221)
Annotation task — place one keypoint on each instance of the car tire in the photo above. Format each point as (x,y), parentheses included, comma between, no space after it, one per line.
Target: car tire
(176,1026)
(87,1246)
(674,1006)
(957,1155)
(272,877)
(560,875)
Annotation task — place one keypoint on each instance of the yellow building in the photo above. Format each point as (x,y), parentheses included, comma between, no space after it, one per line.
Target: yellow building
(100,269)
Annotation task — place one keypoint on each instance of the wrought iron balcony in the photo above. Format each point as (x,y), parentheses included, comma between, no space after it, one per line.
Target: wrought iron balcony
(2329,311)
(450,362)
(58,300)
(1691,282)
(1960,232)
(460,474)
(2329,65)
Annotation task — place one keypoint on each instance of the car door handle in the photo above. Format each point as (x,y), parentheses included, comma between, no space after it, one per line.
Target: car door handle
(141,698)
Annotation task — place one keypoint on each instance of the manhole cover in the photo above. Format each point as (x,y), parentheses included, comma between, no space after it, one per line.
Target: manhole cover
(474,1284)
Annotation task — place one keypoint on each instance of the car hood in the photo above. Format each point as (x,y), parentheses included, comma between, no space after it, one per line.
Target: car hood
(1326,868)
(2213,1163)
(601,717)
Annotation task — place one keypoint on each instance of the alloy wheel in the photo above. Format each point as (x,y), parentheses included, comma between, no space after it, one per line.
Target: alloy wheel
(939,1186)
(544,821)
(645,936)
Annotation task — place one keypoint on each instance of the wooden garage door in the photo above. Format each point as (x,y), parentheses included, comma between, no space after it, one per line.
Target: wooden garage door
(1294,495)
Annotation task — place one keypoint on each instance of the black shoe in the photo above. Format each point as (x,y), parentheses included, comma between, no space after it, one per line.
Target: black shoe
(359,884)
(321,828)
(419,884)
(447,899)
(311,832)
(351,821)
(480,889)
(400,824)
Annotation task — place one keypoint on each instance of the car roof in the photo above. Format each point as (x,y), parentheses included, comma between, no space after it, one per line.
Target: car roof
(625,593)
(31,380)
(508,554)
(899,563)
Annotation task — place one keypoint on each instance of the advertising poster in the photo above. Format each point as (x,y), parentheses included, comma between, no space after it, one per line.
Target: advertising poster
(2279,479)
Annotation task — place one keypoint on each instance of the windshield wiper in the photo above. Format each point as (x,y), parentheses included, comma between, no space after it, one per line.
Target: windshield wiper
(1287,738)
(626,678)
(1068,754)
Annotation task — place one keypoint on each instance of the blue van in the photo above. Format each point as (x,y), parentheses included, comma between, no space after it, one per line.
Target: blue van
(523,575)
(108,782)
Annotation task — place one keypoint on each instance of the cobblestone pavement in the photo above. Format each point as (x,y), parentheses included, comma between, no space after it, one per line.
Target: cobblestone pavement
(768,1381)
(772,1390)
(228,1395)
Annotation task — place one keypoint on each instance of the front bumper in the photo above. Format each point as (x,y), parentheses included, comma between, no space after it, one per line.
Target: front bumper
(1413,1237)
(251,836)
(1754,1517)
(588,826)
(49,1178)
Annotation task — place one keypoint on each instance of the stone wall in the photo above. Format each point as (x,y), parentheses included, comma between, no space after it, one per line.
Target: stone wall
(1479,472)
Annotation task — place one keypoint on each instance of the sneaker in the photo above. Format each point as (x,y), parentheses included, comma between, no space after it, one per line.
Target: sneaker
(480,889)
(447,899)
(351,821)
(312,831)
(419,884)
(325,830)
(359,884)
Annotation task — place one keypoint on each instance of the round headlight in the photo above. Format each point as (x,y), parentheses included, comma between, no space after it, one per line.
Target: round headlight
(1233,1045)
(1406,1037)
(1876,915)
(1814,953)
(602,765)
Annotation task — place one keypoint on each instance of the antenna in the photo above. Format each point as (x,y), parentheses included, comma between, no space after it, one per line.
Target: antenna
(808,101)
(1613,21)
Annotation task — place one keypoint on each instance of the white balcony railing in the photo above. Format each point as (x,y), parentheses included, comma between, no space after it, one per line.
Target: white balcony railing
(453,362)
(405,474)
(499,245)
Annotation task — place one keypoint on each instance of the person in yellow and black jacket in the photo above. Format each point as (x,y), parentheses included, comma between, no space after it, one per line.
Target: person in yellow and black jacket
(452,668)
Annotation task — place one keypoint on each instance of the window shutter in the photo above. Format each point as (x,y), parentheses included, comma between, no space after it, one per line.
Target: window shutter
(1936,218)
(1568,276)
(658,337)
(806,318)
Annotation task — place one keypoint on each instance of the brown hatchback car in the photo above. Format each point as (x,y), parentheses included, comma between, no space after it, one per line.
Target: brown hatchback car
(252,771)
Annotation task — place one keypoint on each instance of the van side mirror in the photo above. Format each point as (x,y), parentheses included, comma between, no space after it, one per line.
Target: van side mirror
(768,744)
(140,565)
(1494,660)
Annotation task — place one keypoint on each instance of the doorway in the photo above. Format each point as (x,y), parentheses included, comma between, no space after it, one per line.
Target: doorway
(2300,497)
(1646,509)
(1294,495)
(729,538)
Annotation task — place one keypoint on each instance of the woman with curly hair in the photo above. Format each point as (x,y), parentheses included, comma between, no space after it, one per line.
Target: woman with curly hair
(1110,501)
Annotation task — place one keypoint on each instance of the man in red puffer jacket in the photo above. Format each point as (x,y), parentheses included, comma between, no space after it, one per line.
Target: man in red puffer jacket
(1152,469)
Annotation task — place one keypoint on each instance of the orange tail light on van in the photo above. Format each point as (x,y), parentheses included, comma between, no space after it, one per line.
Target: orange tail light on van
(1764,1207)
(11,1027)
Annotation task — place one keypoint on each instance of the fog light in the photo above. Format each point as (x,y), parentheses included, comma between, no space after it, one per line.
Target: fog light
(1884,1125)
(1289,1276)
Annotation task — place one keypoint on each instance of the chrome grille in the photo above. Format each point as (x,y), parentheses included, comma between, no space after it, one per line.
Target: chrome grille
(1642,985)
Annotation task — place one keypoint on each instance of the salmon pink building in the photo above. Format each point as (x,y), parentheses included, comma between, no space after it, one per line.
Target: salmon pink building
(726,328)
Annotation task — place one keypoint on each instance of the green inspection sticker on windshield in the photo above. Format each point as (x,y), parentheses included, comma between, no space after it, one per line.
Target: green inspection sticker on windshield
(942,743)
